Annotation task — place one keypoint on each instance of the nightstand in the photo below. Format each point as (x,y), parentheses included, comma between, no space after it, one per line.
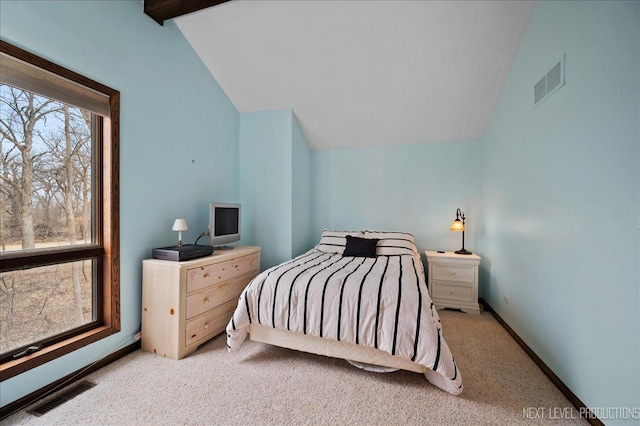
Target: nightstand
(453,280)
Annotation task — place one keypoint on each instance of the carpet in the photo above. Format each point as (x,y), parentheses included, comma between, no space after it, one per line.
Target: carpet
(266,385)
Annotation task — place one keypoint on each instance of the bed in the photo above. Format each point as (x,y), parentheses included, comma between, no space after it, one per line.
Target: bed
(360,296)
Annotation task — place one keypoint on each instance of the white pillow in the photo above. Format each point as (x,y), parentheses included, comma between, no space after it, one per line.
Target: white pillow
(393,243)
(335,241)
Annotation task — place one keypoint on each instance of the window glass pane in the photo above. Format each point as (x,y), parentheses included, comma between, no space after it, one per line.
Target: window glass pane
(45,172)
(38,303)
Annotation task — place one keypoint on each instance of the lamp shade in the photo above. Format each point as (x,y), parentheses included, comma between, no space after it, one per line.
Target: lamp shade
(180,225)
(457,225)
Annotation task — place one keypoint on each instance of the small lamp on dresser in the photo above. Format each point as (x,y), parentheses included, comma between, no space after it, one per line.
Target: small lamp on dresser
(179,225)
(458,225)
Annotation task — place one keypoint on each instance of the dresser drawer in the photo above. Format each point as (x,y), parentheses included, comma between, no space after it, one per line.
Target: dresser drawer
(450,291)
(207,276)
(464,274)
(225,291)
(210,323)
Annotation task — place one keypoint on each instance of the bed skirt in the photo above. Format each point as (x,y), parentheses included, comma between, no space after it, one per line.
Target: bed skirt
(361,356)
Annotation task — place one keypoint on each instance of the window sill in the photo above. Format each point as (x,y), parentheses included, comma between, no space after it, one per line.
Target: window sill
(19,366)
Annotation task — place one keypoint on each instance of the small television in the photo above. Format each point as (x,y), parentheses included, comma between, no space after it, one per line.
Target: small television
(224,224)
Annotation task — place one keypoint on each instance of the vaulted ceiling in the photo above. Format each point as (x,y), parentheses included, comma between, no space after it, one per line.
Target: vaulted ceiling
(364,73)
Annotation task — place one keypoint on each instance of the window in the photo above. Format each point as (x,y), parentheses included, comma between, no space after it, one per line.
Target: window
(59,239)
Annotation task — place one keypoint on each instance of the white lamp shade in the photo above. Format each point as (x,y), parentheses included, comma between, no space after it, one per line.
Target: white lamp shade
(180,225)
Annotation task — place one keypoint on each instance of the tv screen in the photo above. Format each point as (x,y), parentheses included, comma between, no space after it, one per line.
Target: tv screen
(226,221)
(224,224)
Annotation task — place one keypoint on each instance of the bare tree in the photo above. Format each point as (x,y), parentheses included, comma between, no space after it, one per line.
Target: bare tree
(47,208)
(9,195)
(66,167)
(18,122)
(8,291)
(5,194)
(69,208)
(85,171)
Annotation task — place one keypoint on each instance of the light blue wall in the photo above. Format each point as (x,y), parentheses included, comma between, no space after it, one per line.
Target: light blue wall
(275,185)
(302,236)
(413,188)
(178,137)
(561,186)
(266,183)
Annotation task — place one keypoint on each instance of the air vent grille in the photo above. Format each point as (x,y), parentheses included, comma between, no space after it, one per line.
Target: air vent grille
(541,89)
(551,82)
(71,393)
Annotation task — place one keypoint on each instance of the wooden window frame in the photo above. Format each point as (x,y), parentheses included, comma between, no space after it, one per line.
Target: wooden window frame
(107,214)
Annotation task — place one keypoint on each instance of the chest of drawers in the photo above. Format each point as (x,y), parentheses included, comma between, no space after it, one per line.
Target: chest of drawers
(453,280)
(184,304)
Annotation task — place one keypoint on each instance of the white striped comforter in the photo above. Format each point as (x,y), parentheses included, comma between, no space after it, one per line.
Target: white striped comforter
(379,302)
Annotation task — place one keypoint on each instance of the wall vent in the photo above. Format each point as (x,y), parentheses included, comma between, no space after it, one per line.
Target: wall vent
(548,84)
(69,394)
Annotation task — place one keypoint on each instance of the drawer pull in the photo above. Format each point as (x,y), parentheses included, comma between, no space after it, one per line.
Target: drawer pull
(206,325)
(171,311)
(452,272)
(206,300)
(453,291)
(206,275)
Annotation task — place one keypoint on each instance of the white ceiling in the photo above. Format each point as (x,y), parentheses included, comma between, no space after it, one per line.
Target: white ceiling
(364,73)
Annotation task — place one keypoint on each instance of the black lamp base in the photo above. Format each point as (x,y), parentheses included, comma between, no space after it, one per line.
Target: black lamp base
(462,251)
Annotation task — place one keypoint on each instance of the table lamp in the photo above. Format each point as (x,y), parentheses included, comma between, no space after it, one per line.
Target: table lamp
(181,225)
(458,225)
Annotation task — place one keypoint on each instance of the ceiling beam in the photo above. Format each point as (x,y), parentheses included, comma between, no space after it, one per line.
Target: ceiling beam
(161,10)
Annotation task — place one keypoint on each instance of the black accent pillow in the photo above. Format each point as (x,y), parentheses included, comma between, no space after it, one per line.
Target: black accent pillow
(360,247)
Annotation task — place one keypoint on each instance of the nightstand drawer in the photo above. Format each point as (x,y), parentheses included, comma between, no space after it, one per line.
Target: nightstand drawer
(206,276)
(449,291)
(202,301)
(209,324)
(453,280)
(453,273)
